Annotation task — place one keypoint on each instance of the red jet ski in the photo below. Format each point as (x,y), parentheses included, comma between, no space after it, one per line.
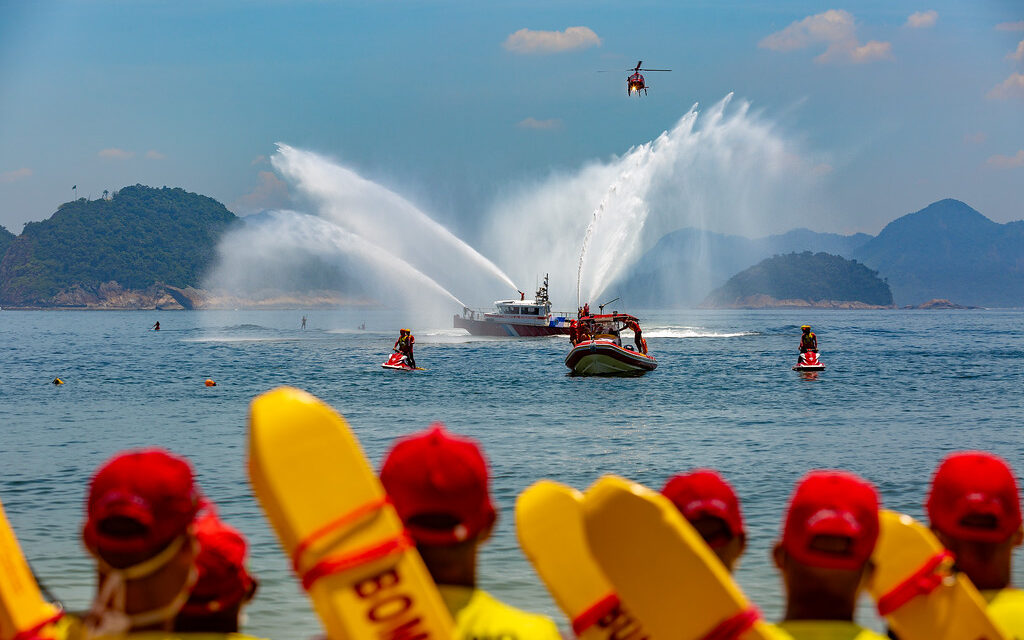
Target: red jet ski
(809,362)
(398,361)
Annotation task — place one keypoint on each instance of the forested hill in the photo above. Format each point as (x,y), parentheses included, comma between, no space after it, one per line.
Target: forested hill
(5,239)
(138,237)
(803,279)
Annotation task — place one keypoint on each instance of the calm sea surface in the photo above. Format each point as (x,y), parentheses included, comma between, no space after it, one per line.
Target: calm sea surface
(902,389)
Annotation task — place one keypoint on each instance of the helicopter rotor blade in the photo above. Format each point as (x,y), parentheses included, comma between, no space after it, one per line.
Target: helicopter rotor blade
(655,69)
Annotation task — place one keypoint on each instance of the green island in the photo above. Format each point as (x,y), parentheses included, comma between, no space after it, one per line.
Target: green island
(803,280)
(134,248)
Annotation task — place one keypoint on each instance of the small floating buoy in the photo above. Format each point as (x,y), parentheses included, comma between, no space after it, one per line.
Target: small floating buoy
(210,383)
(57,381)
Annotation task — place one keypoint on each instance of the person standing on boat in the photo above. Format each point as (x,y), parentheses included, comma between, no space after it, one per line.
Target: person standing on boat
(808,341)
(404,346)
(638,338)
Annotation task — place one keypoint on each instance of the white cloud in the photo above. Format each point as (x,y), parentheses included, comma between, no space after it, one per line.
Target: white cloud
(14,176)
(1010,26)
(533,123)
(873,50)
(1017,55)
(527,41)
(114,152)
(975,138)
(1006,162)
(1009,88)
(153,154)
(836,29)
(270,193)
(922,19)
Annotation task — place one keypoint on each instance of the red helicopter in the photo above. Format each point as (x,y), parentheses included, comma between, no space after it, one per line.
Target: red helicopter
(636,82)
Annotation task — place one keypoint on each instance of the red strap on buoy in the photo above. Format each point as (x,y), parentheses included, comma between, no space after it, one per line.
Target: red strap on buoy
(921,582)
(330,566)
(733,627)
(590,616)
(32,633)
(388,546)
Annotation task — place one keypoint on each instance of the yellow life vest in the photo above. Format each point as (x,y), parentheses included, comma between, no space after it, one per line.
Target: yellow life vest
(479,616)
(826,630)
(70,628)
(1006,608)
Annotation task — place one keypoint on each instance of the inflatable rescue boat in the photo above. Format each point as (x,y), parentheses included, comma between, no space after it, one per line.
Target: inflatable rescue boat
(598,350)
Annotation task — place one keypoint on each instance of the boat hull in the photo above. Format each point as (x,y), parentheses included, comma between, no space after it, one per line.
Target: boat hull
(510,329)
(604,357)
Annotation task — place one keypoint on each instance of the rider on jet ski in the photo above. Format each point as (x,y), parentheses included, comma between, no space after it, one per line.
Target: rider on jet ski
(808,341)
(404,346)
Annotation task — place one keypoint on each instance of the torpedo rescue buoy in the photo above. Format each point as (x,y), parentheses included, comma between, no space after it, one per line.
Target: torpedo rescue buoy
(210,383)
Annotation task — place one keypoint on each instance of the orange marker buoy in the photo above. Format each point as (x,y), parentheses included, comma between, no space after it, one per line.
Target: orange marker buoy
(210,383)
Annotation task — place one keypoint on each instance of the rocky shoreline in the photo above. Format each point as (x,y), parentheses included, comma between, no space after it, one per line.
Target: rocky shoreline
(111,296)
(761,301)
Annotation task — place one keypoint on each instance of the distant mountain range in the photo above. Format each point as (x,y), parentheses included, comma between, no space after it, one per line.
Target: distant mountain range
(949,250)
(142,244)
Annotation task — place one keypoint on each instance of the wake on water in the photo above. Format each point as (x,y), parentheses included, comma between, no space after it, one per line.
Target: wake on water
(728,169)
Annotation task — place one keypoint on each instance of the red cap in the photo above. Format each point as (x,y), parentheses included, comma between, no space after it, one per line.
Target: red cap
(704,493)
(152,487)
(974,483)
(835,504)
(223,579)
(433,473)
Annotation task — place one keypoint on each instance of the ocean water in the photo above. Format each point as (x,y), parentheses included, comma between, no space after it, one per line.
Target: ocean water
(902,389)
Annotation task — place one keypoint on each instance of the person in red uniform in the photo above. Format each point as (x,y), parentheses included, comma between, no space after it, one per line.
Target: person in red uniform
(711,506)
(224,584)
(440,486)
(139,529)
(638,338)
(404,346)
(824,555)
(974,510)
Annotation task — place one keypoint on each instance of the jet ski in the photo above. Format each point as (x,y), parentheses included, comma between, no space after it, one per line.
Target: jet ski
(398,361)
(809,362)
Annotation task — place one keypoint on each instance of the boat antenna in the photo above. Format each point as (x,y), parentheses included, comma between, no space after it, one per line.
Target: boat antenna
(602,306)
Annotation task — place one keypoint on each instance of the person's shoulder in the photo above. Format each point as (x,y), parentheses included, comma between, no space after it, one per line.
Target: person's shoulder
(483,615)
(1006,608)
(825,630)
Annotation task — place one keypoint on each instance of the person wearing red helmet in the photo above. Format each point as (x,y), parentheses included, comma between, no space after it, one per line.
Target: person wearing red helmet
(824,555)
(224,584)
(708,502)
(438,484)
(974,510)
(138,527)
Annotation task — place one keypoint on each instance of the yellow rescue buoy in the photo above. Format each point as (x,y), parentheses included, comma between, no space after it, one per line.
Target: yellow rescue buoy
(57,381)
(210,383)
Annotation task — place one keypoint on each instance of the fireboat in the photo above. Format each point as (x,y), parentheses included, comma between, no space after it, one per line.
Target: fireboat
(517,318)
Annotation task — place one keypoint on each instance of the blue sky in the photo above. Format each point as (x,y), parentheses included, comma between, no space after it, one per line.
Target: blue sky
(439,102)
